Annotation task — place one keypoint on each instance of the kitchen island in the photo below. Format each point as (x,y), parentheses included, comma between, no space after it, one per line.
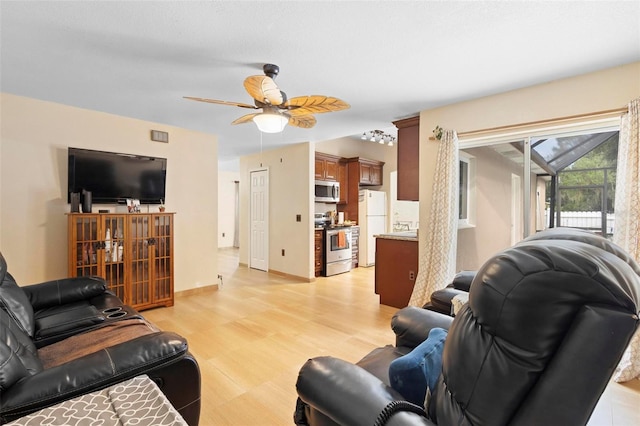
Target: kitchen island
(396,267)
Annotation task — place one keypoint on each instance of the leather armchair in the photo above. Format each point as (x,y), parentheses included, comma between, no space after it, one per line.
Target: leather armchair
(546,324)
(441,300)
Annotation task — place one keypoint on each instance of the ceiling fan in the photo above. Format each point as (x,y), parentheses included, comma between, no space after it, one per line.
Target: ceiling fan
(277,110)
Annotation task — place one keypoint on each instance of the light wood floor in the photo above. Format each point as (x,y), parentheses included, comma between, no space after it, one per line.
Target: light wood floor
(252,335)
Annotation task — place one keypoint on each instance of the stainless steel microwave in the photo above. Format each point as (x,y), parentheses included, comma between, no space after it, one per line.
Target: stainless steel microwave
(327,191)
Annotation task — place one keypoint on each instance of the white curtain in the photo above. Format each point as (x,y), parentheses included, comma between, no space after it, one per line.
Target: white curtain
(437,263)
(627,217)
(627,203)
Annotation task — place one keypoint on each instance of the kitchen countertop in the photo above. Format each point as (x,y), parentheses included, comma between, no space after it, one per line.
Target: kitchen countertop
(320,228)
(403,236)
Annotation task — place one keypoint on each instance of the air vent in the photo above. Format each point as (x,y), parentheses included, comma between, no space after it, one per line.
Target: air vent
(158,136)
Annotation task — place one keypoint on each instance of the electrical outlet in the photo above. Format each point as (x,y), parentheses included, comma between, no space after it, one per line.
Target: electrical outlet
(283,252)
(298,218)
(412,275)
(223,235)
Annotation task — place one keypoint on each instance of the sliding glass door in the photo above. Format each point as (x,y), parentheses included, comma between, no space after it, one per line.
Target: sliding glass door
(525,184)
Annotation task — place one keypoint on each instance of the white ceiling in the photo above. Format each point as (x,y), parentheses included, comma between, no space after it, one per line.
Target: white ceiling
(388,59)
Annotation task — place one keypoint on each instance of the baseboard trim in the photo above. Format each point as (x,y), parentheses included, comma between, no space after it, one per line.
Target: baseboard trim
(296,277)
(284,274)
(197,290)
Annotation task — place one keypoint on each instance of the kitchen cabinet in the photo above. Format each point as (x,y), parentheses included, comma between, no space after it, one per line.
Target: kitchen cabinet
(132,252)
(369,172)
(318,245)
(326,166)
(396,268)
(358,169)
(355,245)
(408,184)
(343,180)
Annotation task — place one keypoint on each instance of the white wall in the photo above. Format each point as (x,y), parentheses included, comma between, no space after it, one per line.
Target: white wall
(492,230)
(604,90)
(401,211)
(33,185)
(290,193)
(226,207)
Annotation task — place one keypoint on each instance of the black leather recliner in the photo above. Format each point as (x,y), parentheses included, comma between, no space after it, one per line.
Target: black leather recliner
(66,309)
(545,327)
(50,311)
(440,300)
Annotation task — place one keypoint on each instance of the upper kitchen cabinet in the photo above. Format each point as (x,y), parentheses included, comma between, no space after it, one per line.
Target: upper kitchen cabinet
(408,158)
(367,172)
(326,167)
(343,180)
(361,172)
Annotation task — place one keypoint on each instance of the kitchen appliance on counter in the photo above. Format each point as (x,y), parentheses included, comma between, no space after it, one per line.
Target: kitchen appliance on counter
(372,217)
(322,220)
(338,258)
(327,191)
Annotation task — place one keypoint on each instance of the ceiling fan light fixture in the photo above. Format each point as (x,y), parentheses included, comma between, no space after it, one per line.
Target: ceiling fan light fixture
(269,122)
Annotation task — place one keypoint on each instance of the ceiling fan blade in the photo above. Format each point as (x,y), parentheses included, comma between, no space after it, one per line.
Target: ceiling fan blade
(215,101)
(245,118)
(263,89)
(303,121)
(314,104)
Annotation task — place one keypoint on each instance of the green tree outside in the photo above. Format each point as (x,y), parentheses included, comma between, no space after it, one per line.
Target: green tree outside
(581,183)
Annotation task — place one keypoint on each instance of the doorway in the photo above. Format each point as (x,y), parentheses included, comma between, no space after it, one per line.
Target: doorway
(259,220)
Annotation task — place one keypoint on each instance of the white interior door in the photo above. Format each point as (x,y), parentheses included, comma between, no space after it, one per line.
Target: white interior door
(259,243)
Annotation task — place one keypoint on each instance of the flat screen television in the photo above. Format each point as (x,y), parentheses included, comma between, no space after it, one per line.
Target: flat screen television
(113,177)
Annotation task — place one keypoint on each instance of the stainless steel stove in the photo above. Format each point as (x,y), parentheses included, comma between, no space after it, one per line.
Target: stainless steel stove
(337,255)
(337,241)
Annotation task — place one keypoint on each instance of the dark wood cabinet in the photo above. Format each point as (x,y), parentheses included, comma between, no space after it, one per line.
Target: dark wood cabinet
(408,158)
(132,252)
(318,245)
(396,270)
(343,179)
(370,172)
(361,172)
(326,166)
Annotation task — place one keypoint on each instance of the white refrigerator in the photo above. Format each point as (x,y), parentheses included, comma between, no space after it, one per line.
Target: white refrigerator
(372,218)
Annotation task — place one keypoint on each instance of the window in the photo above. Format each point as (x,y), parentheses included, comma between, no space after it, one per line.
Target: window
(466,200)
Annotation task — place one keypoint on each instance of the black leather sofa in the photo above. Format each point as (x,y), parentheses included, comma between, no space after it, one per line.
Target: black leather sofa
(546,324)
(38,318)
